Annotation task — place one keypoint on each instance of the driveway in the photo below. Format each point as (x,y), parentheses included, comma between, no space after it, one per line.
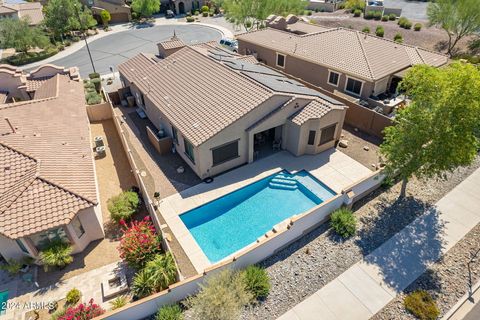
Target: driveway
(116,48)
(416,10)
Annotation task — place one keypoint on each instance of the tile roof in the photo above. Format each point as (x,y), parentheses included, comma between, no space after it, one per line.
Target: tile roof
(313,110)
(199,106)
(48,88)
(173,43)
(30,10)
(46,166)
(302,27)
(352,52)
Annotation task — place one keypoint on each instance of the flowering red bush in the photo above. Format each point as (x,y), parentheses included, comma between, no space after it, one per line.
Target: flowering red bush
(139,243)
(84,311)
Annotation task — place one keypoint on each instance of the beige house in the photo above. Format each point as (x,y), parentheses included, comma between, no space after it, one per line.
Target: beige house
(183,6)
(223,110)
(22,9)
(118,9)
(48,186)
(338,60)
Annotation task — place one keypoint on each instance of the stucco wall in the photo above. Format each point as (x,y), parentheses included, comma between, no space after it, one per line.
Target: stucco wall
(9,249)
(11,83)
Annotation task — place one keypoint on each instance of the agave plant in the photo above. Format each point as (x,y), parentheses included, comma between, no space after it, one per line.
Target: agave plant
(157,275)
(142,285)
(57,254)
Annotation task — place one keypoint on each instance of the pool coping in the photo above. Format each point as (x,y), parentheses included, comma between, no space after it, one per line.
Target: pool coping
(172,207)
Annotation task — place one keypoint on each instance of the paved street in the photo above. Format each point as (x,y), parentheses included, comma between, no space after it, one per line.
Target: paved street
(416,10)
(118,47)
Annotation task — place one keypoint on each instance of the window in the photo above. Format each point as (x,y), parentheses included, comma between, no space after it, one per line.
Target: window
(22,246)
(225,153)
(311,137)
(174,135)
(327,134)
(189,150)
(354,86)
(77,227)
(140,100)
(280,60)
(333,78)
(42,240)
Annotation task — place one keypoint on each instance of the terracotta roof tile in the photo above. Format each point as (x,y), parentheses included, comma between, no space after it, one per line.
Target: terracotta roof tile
(313,110)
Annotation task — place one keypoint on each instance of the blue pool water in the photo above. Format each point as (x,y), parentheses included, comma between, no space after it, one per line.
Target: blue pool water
(227,224)
(3,301)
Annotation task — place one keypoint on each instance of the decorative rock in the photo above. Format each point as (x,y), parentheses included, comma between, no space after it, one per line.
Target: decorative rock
(343,143)
(366,148)
(181,169)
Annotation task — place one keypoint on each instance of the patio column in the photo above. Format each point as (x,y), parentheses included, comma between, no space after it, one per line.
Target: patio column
(250,148)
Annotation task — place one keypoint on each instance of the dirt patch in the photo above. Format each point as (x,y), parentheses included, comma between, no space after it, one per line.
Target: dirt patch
(361,147)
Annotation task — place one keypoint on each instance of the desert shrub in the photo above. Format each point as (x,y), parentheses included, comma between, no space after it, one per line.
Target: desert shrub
(377,15)
(94,75)
(417,27)
(142,284)
(118,302)
(57,314)
(67,43)
(75,39)
(343,222)
(369,15)
(56,254)
(357,13)
(123,206)
(30,57)
(407,25)
(385,18)
(231,20)
(309,12)
(73,296)
(156,276)
(421,304)
(379,31)
(12,266)
(398,38)
(205,14)
(196,12)
(139,243)
(248,24)
(135,16)
(222,297)
(354,5)
(366,30)
(392,17)
(84,311)
(190,19)
(172,312)
(257,281)
(205,9)
(97,83)
(404,23)
(93,98)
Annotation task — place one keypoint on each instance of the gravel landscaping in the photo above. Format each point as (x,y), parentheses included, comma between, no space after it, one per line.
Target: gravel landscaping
(319,257)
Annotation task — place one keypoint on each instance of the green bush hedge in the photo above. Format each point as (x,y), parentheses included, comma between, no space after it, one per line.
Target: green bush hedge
(257,281)
(417,27)
(421,304)
(343,222)
(172,312)
(379,32)
(94,75)
(31,57)
(93,97)
(124,205)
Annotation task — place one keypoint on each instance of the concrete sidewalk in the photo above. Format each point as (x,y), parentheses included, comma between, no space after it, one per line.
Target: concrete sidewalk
(372,283)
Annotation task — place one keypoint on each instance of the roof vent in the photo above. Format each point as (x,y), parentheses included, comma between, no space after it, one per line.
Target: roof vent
(10,125)
(6,168)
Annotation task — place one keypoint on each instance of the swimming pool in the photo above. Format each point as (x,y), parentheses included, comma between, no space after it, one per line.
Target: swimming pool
(229,223)
(3,301)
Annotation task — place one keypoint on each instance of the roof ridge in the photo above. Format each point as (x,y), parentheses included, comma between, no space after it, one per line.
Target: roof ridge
(319,32)
(15,196)
(6,145)
(421,58)
(58,185)
(365,56)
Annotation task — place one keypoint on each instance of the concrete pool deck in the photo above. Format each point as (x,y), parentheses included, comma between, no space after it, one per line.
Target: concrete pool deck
(332,167)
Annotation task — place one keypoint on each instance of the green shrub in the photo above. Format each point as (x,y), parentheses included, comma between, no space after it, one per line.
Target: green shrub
(398,38)
(156,276)
(190,19)
(205,9)
(377,15)
(75,39)
(73,296)
(404,23)
(172,312)
(205,14)
(369,15)
(97,83)
(257,281)
(353,5)
(67,43)
(343,222)
(94,75)
(379,31)
(135,15)
(57,314)
(357,13)
(417,27)
(123,206)
(222,297)
(118,302)
(421,304)
(407,25)
(31,57)
(231,20)
(248,24)
(196,12)
(12,266)
(309,12)
(392,17)
(385,18)
(93,98)
(366,30)
(56,254)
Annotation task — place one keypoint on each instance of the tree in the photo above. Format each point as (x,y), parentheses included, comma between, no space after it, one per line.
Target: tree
(146,8)
(355,5)
(17,34)
(459,18)
(105,16)
(62,16)
(435,134)
(252,13)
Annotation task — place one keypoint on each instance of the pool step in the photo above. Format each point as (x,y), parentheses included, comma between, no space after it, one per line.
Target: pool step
(289,182)
(282,186)
(285,177)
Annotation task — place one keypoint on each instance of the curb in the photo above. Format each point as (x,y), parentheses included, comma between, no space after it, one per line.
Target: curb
(464,299)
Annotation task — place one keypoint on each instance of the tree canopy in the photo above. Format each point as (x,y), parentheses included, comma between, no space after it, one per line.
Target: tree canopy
(252,13)
(437,132)
(146,8)
(459,18)
(17,34)
(61,16)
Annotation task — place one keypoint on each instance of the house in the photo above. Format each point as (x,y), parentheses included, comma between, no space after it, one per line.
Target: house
(19,9)
(338,60)
(48,184)
(182,6)
(118,9)
(223,110)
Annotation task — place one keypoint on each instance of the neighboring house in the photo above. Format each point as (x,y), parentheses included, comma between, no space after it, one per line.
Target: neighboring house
(118,9)
(223,110)
(337,60)
(48,184)
(324,5)
(19,9)
(182,6)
